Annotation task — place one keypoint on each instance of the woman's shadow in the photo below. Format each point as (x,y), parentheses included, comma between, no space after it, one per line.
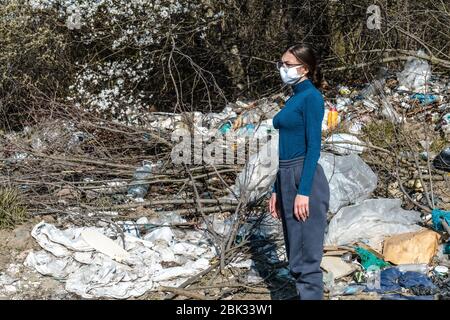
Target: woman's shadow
(268,255)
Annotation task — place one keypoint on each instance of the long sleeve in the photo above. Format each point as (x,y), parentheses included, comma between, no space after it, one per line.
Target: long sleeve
(274,187)
(313,116)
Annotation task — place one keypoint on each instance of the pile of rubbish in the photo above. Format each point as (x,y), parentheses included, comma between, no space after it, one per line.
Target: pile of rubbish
(94,262)
(374,244)
(93,265)
(386,252)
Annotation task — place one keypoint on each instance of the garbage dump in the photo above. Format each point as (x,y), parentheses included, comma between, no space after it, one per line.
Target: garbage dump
(131,224)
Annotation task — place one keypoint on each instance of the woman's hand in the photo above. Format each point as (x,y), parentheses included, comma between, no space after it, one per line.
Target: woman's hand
(301,207)
(273,207)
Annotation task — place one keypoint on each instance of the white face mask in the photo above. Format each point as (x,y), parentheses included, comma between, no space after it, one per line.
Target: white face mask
(290,75)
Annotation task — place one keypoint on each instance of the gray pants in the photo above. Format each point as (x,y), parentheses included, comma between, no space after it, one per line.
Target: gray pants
(303,240)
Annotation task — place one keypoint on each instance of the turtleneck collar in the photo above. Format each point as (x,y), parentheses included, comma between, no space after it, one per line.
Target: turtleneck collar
(302,85)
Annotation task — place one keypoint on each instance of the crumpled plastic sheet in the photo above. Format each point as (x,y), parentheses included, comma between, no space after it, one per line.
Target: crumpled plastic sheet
(370,222)
(91,274)
(351,180)
(259,172)
(339,142)
(415,74)
(389,112)
(164,233)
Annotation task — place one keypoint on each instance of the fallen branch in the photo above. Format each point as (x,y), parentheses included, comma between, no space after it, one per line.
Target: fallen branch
(182,292)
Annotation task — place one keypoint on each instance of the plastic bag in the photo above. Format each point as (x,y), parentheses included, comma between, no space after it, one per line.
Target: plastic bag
(338,144)
(259,172)
(351,180)
(370,222)
(415,74)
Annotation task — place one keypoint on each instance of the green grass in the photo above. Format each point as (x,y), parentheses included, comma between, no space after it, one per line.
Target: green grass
(438,144)
(380,133)
(12,209)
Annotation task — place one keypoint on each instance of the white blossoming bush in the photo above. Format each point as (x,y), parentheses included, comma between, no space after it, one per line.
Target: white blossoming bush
(120,59)
(119,42)
(108,88)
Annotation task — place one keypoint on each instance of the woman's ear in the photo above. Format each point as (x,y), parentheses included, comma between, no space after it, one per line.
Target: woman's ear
(303,70)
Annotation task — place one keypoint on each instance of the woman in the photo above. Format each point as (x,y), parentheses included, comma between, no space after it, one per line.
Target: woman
(300,194)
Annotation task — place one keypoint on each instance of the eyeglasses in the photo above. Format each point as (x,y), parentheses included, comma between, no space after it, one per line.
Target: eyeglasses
(287,65)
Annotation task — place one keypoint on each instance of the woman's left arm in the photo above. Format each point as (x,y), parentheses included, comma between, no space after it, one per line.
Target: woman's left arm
(313,116)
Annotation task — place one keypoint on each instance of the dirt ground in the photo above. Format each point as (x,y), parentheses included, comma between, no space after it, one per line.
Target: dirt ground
(18,281)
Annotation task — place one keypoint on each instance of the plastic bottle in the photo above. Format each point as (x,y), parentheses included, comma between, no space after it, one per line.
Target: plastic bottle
(422,268)
(328,282)
(139,185)
(376,86)
(373,277)
(332,117)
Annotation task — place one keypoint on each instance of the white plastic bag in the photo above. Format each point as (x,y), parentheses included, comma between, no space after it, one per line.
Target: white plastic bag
(339,143)
(90,273)
(351,180)
(259,172)
(415,75)
(164,233)
(370,222)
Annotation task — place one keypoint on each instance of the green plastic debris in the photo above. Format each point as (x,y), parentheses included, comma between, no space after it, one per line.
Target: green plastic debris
(359,277)
(368,259)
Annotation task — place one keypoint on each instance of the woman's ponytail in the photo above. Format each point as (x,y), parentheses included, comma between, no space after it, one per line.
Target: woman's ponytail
(306,55)
(316,77)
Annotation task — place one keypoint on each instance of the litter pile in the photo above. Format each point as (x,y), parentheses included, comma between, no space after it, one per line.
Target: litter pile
(125,230)
(375,246)
(93,265)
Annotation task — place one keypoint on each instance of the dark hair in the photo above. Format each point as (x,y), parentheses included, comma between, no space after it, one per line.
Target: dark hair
(308,56)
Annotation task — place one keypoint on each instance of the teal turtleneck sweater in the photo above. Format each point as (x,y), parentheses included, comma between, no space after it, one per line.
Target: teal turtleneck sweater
(300,130)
